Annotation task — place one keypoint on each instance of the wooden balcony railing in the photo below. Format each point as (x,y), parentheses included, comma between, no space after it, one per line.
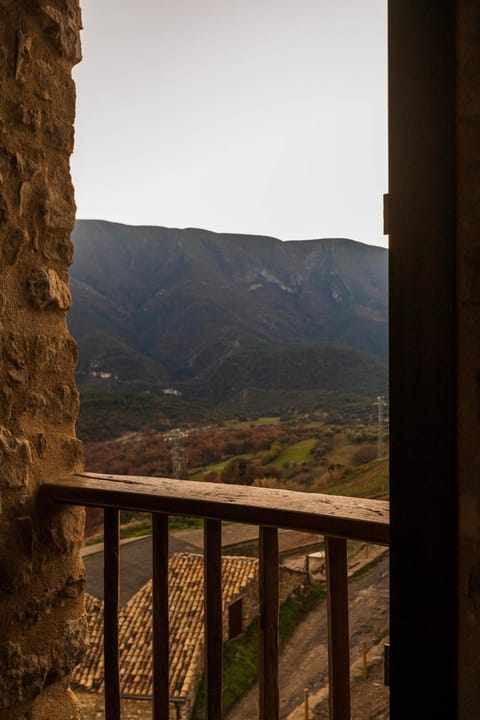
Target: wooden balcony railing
(337,518)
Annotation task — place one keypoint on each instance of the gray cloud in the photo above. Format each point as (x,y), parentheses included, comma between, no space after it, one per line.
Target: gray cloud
(253,116)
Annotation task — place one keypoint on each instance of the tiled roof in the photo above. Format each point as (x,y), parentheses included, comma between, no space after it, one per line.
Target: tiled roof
(186,614)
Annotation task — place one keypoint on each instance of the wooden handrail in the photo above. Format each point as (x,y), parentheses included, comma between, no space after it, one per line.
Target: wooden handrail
(337,516)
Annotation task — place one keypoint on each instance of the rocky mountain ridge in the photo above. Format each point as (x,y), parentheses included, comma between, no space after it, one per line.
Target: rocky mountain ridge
(217,314)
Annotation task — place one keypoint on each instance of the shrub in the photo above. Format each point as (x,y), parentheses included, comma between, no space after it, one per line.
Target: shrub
(364,455)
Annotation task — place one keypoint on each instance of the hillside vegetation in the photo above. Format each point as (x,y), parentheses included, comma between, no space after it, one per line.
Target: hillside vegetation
(110,414)
(309,456)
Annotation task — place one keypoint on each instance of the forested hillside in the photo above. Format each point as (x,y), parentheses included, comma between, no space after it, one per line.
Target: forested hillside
(223,319)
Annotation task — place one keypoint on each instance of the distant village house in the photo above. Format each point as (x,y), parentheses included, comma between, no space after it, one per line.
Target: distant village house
(186,606)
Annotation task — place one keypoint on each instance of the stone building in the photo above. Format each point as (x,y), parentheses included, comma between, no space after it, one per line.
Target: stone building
(434,226)
(186,603)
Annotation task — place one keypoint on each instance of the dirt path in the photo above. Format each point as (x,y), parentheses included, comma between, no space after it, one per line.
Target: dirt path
(303,663)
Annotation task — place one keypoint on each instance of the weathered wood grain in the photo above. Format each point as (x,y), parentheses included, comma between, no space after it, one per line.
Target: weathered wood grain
(269,617)
(213,619)
(338,634)
(355,518)
(111,578)
(160,635)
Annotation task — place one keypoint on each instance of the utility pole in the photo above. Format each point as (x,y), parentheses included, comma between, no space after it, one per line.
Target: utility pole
(174,439)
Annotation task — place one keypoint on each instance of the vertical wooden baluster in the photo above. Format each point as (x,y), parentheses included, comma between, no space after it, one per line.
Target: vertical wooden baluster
(111,577)
(160,631)
(213,619)
(338,633)
(269,609)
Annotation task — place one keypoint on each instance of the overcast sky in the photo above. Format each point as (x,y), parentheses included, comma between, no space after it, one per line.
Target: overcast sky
(251,116)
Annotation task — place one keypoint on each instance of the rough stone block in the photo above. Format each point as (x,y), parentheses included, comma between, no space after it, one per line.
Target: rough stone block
(54,354)
(61,531)
(24,56)
(69,647)
(22,674)
(56,702)
(58,214)
(15,555)
(63,28)
(15,241)
(15,460)
(46,290)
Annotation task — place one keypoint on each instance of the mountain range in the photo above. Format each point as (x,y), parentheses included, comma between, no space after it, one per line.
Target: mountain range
(215,316)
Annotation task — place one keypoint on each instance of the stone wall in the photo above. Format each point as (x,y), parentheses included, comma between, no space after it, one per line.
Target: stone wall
(468,319)
(289,582)
(41,575)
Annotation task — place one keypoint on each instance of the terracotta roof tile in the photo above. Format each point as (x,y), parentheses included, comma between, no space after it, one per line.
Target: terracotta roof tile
(186,627)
